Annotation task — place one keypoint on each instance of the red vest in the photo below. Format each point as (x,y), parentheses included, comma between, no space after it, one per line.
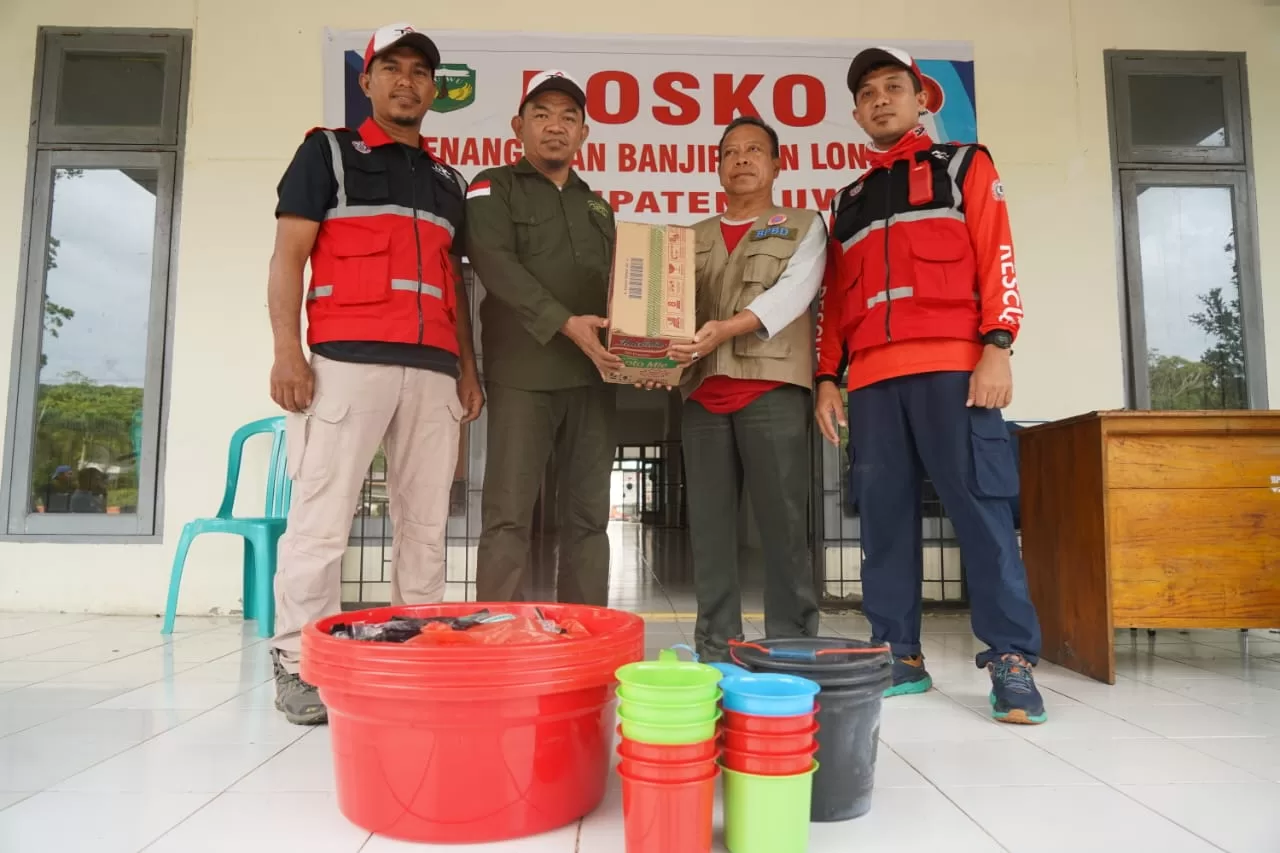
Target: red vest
(380,267)
(905,250)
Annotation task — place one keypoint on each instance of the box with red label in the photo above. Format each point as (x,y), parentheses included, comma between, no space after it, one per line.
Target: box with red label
(652,303)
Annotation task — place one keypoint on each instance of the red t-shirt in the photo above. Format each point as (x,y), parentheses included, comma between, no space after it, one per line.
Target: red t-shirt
(724,395)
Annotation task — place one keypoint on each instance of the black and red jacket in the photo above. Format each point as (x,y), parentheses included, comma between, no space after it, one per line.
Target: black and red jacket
(380,267)
(920,249)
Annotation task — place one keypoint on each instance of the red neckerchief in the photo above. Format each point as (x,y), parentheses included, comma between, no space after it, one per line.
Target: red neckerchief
(916,139)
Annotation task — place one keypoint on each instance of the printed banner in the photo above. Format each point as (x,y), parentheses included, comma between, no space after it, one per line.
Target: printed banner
(657,106)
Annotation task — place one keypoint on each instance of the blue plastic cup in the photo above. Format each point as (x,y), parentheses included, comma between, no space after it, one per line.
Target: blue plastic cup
(768,694)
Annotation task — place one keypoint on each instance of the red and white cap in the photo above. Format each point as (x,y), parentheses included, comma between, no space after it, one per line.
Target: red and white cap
(875,56)
(553,80)
(401,35)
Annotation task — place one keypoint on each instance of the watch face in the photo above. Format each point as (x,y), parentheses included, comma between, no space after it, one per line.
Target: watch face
(1000,338)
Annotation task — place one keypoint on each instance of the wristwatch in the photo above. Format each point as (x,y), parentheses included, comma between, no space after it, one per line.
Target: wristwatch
(1001,338)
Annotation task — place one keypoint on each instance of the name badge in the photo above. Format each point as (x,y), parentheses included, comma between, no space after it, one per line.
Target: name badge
(779,231)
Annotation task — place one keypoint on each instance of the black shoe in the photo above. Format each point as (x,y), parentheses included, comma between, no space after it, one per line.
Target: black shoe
(909,676)
(299,700)
(1014,697)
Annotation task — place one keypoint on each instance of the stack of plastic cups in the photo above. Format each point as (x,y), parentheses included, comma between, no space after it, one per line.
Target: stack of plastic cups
(769,744)
(668,711)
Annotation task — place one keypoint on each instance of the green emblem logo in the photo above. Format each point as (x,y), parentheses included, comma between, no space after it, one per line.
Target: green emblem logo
(455,88)
(598,207)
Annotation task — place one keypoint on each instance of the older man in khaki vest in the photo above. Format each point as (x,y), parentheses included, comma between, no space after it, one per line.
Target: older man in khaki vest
(747,392)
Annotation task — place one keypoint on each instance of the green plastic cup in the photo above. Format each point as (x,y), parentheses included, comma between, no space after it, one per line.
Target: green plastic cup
(646,712)
(767,814)
(670,681)
(669,734)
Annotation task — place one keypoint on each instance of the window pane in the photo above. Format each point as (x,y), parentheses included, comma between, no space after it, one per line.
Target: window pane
(1191,297)
(93,363)
(1183,110)
(110,88)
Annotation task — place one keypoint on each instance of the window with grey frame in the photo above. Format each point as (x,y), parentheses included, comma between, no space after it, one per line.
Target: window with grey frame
(84,438)
(1184,187)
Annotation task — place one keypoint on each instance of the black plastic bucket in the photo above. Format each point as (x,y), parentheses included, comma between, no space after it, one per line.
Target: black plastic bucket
(853,676)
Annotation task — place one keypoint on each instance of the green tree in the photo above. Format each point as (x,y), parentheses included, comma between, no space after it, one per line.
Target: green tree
(79,422)
(54,314)
(1177,383)
(1220,321)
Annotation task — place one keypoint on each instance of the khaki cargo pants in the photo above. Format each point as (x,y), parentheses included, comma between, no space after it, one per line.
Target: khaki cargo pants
(415,415)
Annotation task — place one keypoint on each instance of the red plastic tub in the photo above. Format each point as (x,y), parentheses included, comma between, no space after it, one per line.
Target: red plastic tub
(769,725)
(769,744)
(661,817)
(459,744)
(755,764)
(707,750)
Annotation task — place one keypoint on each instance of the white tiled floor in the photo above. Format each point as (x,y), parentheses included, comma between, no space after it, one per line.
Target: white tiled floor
(115,739)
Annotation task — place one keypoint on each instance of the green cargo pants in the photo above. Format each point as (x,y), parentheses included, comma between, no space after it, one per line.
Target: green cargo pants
(524,428)
(764,448)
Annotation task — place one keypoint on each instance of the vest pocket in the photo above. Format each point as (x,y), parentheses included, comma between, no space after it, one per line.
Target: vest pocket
(943,267)
(366,180)
(752,345)
(765,262)
(362,267)
(994,473)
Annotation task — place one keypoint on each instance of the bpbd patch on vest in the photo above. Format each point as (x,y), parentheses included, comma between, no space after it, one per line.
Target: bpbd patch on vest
(779,231)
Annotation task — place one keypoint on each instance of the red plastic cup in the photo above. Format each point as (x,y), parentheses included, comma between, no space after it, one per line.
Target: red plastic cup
(769,725)
(662,817)
(665,771)
(755,764)
(761,744)
(706,750)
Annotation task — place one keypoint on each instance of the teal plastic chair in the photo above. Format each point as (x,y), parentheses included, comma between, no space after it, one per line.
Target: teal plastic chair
(261,535)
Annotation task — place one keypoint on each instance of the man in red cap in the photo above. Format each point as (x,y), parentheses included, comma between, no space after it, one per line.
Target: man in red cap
(392,361)
(541,242)
(921,305)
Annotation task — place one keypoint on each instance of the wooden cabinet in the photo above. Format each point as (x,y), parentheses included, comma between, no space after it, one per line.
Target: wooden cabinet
(1149,520)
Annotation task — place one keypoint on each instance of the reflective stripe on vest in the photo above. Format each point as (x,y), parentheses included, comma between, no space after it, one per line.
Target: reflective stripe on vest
(406,284)
(900,293)
(909,216)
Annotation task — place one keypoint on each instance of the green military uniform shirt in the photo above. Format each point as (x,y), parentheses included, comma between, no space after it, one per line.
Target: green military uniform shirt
(543,255)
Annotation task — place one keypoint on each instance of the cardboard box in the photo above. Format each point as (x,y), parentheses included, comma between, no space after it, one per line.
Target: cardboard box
(652,301)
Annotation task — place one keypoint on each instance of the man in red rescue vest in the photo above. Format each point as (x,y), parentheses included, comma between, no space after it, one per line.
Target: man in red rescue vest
(921,304)
(392,362)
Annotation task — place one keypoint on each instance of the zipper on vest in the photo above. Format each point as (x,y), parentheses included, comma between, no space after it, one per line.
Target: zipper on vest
(417,238)
(888,292)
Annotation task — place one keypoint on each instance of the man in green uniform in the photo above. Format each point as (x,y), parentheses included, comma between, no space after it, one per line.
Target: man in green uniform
(541,243)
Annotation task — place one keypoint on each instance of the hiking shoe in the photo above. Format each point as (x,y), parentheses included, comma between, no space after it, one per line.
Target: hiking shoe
(909,676)
(1014,697)
(299,700)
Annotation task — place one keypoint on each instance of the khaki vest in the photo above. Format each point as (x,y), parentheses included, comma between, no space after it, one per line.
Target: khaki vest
(727,283)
